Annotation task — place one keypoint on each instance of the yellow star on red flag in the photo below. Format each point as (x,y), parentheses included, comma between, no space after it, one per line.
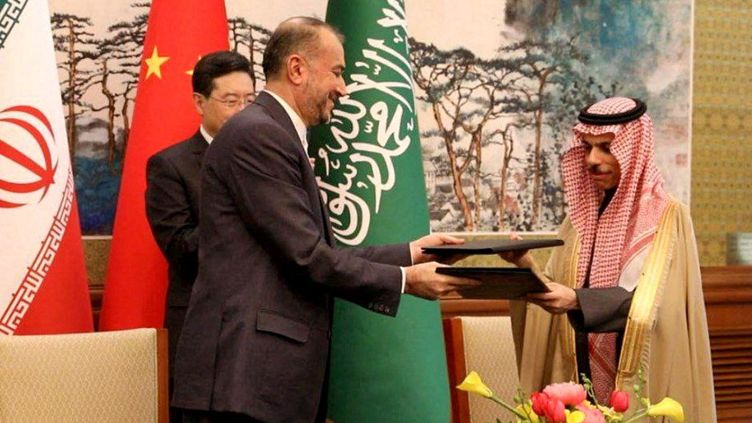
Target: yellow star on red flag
(136,284)
(154,64)
(190,71)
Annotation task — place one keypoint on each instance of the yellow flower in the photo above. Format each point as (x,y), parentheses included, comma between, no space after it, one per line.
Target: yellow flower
(527,410)
(472,383)
(669,408)
(575,416)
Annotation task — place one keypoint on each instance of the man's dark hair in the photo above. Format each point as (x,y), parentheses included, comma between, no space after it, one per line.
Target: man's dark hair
(215,65)
(296,35)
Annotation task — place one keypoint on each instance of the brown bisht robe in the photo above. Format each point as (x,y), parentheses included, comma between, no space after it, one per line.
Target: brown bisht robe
(666,333)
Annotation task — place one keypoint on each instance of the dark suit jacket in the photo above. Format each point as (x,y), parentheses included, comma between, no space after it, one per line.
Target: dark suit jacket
(256,336)
(172,201)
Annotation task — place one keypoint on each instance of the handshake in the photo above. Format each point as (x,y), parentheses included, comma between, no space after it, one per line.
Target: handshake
(421,278)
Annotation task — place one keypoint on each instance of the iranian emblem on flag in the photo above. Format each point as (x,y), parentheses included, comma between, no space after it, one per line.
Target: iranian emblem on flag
(43,284)
(27,147)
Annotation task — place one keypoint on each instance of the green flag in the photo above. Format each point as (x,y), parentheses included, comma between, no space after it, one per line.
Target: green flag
(368,157)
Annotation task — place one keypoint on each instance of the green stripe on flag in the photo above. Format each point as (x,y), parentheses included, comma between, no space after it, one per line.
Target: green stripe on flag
(369,160)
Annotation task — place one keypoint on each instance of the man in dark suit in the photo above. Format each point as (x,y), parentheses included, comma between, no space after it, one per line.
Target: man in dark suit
(222,86)
(255,345)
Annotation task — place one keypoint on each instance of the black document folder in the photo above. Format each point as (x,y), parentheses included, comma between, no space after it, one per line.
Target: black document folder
(492,246)
(498,282)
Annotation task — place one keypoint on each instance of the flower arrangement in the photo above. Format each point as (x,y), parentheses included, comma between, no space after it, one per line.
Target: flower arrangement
(568,403)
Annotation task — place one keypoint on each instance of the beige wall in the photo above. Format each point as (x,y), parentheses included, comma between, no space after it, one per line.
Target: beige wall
(722,125)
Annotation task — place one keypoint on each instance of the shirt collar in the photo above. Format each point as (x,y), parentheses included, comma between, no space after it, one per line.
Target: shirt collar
(205,134)
(297,121)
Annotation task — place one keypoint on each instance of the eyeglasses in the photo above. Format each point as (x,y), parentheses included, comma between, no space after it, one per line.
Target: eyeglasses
(233,102)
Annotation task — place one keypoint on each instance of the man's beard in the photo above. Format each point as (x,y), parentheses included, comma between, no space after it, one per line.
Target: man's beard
(310,107)
(319,110)
(323,113)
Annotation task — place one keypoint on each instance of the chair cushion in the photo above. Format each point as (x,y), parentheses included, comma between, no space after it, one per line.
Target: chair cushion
(91,377)
(489,350)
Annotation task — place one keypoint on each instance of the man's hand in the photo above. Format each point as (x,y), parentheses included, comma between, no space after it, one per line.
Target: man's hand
(561,299)
(520,258)
(433,240)
(422,281)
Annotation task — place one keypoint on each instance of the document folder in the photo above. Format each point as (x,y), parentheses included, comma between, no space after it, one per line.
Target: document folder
(492,246)
(497,282)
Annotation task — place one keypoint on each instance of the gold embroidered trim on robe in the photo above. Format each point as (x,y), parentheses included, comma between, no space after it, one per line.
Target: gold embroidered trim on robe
(568,337)
(642,312)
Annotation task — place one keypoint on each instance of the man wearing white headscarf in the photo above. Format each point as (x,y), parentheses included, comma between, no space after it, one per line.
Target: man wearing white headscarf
(625,287)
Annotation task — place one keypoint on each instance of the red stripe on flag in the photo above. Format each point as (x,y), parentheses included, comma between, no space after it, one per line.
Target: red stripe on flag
(59,303)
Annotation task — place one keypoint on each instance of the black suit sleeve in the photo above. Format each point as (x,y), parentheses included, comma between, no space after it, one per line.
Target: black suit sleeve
(169,213)
(266,180)
(396,254)
(601,309)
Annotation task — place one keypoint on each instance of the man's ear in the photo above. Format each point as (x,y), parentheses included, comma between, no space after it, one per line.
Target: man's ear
(198,103)
(296,69)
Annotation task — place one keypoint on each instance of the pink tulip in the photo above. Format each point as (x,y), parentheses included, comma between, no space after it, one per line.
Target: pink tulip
(569,393)
(540,402)
(619,401)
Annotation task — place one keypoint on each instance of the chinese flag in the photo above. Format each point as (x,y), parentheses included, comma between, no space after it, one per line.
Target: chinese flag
(179,32)
(43,284)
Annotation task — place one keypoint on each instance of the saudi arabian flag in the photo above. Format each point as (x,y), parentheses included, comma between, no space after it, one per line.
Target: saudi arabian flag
(368,158)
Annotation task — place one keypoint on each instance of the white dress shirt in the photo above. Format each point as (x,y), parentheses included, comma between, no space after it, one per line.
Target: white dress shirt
(206,135)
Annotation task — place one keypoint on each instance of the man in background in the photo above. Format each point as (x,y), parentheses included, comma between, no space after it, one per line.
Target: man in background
(255,346)
(221,87)
(625,288)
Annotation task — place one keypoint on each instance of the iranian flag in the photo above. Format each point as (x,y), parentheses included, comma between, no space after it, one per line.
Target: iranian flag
(43,283)
(368,159)
(178,33)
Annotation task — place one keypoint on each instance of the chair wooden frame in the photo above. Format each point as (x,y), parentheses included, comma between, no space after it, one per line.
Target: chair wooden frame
(454,343)
(163,399)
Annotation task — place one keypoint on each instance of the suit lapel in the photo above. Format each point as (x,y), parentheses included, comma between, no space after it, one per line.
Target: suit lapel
(198,146)
(278,113)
